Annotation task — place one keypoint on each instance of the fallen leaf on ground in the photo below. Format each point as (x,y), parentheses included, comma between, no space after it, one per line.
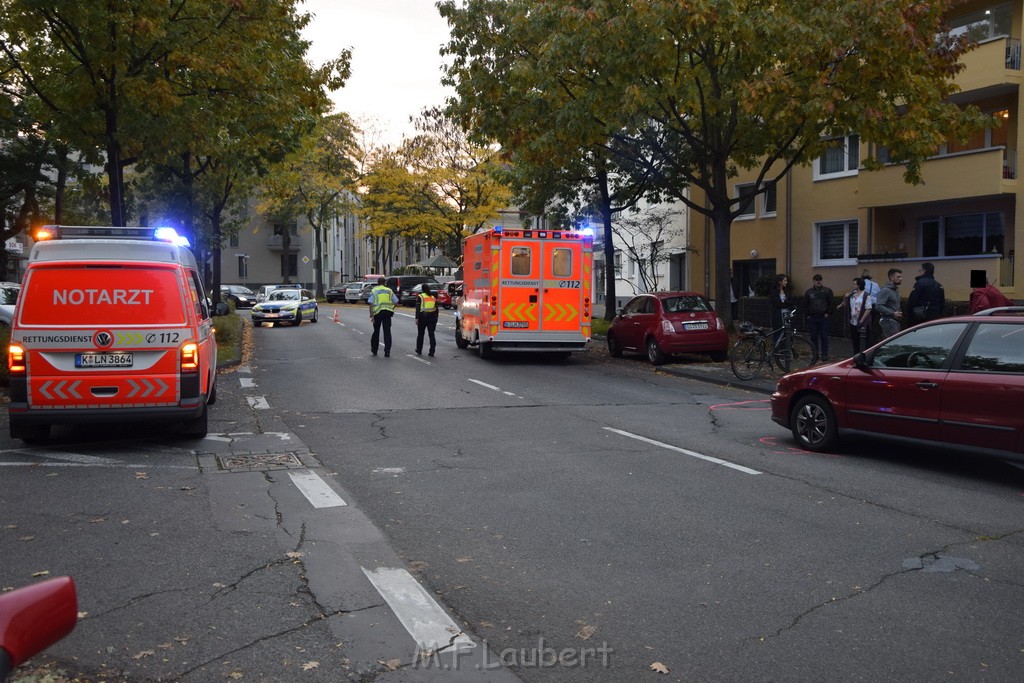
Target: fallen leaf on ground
(586,632)
(97,520)
(45,572)
(25,538)
(464,559)
(391,664)
(235,674)
(659,667)
(83,615)
(294,555)
(310,665)
(141,475)
(144,653)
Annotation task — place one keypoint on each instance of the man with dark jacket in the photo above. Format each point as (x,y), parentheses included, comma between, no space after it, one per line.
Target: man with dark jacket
(928,299)
(818,304)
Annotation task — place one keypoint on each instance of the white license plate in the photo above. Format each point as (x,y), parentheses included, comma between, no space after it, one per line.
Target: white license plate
(103,360)
(695,326)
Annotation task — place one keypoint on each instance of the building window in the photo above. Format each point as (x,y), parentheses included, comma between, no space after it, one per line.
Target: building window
(840,159)
(243,266)
(233,240)
(835,243)
(768,201)
(968,234)
(742,193)
(289,265)
(618,264)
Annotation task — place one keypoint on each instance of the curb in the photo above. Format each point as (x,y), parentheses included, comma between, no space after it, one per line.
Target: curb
(239,348)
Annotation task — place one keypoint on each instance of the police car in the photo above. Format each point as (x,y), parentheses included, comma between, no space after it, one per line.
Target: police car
(286,306)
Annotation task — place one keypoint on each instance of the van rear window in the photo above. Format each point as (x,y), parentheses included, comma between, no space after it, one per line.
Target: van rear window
(101,296)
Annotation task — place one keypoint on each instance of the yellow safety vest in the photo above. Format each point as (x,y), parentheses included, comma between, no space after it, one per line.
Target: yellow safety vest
(382,298)
(428,304)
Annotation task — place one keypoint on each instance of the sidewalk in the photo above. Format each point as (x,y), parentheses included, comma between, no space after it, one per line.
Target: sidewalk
(698,368)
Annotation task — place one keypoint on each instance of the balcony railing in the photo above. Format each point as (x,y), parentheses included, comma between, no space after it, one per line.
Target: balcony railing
(276,243)
(1013,53)
(1009,164)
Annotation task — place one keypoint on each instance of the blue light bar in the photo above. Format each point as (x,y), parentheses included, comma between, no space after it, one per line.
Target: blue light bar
(170,235)
(497,228)
(587,232)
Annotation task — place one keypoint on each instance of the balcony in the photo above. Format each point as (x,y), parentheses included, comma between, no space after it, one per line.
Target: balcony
(992,65)
(978,173)
(276,243)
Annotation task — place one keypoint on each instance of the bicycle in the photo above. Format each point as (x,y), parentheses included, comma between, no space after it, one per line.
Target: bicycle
(755,346)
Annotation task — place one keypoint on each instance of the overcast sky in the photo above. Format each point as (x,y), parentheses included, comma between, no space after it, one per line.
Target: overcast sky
(396,65)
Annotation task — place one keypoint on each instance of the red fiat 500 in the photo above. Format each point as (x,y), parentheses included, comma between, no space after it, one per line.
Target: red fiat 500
(661,324)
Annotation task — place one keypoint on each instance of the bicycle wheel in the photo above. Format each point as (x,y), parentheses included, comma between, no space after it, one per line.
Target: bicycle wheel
(747,357)
(804,354)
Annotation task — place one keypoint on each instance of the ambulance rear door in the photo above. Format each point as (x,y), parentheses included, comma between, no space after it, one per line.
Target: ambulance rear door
(562,285)
(516,262)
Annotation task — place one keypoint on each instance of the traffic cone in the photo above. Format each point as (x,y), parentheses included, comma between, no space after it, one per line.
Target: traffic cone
(335,319)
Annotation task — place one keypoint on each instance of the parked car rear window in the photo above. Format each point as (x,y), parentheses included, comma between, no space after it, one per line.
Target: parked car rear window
(684,304)
(996,348)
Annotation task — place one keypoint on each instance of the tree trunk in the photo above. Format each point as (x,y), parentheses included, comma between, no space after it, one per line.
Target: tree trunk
(723,287)
(115,171)
(609,246)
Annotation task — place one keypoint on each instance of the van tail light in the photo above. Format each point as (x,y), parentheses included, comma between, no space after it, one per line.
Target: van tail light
(190,357)
(666,327)
(16,360)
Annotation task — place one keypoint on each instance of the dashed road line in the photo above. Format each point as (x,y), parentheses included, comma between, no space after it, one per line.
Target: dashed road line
(692,454)
(247,382)
(484,384)
(316,490)
(422,360)
(258,402)
(422,617)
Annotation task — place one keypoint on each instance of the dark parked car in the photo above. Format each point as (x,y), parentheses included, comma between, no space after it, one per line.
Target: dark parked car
(661,324)
(242,296)
(954,381)
(402,284)
(409,298)
(337,292)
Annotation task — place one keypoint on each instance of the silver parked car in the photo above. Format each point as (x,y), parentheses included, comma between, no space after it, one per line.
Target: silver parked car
(359,292)
(8,298)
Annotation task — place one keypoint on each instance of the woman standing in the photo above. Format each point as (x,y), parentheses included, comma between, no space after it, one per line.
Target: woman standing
(860,315)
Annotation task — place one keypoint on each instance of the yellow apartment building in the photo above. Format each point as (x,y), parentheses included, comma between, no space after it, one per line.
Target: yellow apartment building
(835,218)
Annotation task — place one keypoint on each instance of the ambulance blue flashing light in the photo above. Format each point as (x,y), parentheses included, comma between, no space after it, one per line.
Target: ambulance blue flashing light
(170,235)
(587,232)
(497,229)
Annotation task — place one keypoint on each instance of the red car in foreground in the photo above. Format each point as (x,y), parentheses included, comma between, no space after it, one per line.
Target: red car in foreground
(661,324)
(953,381)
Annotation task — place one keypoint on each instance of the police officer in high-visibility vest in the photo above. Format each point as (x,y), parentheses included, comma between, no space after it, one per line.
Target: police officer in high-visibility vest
(426,318)
(382,306)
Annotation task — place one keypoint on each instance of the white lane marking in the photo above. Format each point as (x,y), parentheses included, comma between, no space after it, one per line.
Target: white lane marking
(422,617)
(244,368)
(71,457)
(283,436)
(692,454)
(211,437)
(258,402)
(484,384)
(508,393)
(388,470)
(112,463)
(422,360)
(316,490)
(247,382)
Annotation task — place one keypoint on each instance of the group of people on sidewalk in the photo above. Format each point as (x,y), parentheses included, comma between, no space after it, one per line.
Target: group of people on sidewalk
(382,302)
(868,306)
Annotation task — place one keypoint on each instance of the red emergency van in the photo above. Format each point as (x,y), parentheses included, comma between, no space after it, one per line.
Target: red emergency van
(110,330)
(526,290)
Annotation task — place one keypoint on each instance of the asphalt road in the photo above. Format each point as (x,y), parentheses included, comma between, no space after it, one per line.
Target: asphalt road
(599,510)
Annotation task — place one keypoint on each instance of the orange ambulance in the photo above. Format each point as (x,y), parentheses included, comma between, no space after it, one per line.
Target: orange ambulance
(526,290)
(112,325)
